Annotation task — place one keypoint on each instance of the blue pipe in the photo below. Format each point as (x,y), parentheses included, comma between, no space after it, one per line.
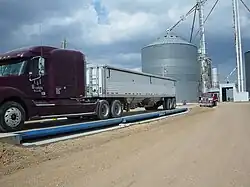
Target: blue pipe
(39,133)
(140,117)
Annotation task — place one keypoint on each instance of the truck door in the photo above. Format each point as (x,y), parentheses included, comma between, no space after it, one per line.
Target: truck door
(36,77)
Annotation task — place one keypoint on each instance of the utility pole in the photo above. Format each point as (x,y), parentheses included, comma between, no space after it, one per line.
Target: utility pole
(64,43)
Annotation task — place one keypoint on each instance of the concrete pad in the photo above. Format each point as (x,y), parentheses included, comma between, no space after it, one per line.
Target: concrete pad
(188,105)
(10,138)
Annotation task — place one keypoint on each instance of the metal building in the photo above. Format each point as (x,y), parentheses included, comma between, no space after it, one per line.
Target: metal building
(172,56)
(247,71)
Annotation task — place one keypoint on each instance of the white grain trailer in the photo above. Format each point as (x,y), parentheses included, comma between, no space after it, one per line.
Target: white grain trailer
(124,89)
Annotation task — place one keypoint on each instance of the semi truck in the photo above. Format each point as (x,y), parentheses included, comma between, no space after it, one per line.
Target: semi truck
(41,82)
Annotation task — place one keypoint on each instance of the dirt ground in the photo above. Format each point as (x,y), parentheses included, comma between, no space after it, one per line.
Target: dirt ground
(207,147)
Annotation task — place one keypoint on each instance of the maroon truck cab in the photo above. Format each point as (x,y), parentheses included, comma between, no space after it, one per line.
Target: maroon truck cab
(42,82)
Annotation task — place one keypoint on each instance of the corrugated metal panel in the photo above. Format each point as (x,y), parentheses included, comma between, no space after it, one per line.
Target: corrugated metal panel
(103,81)
(174,57)
(247,71)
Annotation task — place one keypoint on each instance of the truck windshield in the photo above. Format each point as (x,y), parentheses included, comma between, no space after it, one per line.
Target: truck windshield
(17,69)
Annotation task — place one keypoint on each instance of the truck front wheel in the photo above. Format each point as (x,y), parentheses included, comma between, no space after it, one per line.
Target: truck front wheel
(103,110)
(12,117)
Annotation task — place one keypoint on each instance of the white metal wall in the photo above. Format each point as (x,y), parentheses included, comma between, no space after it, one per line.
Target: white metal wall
(115,83)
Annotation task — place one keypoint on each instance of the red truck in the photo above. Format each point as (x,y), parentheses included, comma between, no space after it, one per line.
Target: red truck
(47,82)
(208,100)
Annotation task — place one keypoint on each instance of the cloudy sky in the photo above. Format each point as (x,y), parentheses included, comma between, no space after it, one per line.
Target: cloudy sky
(114,31)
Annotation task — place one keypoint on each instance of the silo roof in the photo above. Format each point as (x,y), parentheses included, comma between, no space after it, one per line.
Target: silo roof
(170,39)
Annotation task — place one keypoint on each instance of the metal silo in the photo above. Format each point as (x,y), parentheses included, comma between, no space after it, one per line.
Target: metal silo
(247,71)
(215,81)
(172,56)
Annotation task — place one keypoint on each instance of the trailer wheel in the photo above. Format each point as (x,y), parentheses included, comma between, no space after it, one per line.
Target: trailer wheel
(12,117)
(167,104)
(173,104)
(164,104)
(103,110)
(116,109)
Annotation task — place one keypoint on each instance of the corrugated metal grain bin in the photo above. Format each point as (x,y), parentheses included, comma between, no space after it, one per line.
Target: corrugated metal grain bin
(174,57)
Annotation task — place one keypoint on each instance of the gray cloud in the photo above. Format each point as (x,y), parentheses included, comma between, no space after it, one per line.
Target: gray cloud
(15,13)
(19,19)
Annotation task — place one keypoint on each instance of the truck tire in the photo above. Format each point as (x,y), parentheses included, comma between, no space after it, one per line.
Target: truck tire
(173,103)
(167,104)
(116,109)
(164,104)
(103,110)
(12,117)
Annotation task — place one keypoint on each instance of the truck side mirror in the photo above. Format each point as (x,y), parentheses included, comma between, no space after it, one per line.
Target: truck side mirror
(41,62)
